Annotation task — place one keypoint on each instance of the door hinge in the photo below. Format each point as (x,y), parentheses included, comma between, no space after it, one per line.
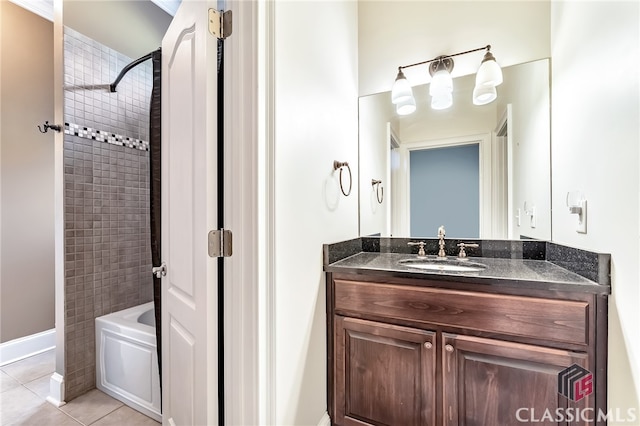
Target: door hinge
(220,23)
(220,243)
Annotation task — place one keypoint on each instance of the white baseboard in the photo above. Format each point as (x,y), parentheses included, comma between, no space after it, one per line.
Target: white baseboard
(325,420)
(23,347)
(56,390)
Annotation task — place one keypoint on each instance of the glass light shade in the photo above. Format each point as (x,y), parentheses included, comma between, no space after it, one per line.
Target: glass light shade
(401,90)
(441,82)
(483,95)
(489,73)
(406,107)
(442,100)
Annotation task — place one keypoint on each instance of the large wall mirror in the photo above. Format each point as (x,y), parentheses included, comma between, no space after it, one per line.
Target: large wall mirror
(481,171)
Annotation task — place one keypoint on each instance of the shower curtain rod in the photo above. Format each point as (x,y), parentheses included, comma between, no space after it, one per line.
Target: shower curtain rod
(112,86)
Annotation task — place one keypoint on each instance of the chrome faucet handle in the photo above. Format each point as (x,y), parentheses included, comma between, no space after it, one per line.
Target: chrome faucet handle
(463,254)
(421,252)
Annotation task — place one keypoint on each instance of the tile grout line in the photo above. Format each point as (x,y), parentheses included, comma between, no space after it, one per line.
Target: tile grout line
(44,402)
(65,413)
(108,414)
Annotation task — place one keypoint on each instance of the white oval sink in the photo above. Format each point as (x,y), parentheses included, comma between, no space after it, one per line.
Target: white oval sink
(448,265)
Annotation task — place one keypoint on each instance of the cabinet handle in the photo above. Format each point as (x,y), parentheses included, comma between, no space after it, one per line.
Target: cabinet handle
(428,345)
(448,348)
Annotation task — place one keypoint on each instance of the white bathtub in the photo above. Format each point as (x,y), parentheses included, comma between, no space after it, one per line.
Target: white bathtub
(126,358)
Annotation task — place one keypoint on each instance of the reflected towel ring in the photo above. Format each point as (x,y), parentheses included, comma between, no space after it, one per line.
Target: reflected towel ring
(48,126)
(339,165)
(379,190)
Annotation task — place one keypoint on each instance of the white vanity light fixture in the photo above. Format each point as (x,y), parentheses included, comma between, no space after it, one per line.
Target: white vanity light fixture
(401,91)
(441,87)
(489,73)
(442,101)
(406,107)
(483,95)
(489,76)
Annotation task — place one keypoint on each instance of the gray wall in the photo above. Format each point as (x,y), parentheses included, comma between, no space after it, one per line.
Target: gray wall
(26,174)
(106,171)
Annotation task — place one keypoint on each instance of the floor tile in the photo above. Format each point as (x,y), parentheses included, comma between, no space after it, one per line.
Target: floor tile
(46,415)
(41,386)
(125,416)
(33,367)
(17,404)
(7,382)
(91,406)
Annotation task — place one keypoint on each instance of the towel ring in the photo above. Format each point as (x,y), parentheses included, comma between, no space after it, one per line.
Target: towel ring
(47,126)
(339,165)
(379,190)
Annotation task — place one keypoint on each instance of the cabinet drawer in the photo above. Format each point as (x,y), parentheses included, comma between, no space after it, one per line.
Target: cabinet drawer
(532,317)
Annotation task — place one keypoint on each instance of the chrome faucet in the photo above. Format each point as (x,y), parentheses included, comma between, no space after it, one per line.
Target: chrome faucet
(441,233)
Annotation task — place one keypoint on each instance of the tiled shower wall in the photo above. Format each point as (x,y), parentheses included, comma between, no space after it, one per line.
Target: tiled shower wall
(106,168)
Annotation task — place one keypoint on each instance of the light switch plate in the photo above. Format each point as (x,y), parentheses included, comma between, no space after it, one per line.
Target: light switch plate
(533,217)
(582,218)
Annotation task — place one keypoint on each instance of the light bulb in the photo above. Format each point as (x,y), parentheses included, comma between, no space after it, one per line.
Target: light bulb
(406,107)
(441,100)
(441,82)
(483,95)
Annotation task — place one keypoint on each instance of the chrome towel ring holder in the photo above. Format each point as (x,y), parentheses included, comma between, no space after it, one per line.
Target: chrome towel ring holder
(379,190)
(339,165)
(47,126)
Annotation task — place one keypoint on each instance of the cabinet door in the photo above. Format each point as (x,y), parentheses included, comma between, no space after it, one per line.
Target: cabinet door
(494,382)
(384,374)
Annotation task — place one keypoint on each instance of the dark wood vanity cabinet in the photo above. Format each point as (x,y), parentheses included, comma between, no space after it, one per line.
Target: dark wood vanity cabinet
(413,352)
(486,381)
(384,374)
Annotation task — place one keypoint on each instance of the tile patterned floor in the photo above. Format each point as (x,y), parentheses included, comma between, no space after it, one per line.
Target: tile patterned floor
(24,385)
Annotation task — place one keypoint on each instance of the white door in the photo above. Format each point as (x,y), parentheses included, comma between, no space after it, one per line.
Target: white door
(189,203)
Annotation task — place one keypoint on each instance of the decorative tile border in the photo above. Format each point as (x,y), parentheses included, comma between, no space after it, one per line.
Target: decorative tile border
(102,136)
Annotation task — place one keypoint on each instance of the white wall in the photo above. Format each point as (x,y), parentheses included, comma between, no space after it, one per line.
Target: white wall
(595,134)
(406,32)
(595,120)
(374,122)
(526,88)
(316,123)
(394,33)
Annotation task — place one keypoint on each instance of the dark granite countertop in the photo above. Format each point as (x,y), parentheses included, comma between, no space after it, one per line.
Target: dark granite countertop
(575,270)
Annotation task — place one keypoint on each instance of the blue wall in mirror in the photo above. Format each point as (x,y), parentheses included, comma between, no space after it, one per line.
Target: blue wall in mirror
(444,190)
